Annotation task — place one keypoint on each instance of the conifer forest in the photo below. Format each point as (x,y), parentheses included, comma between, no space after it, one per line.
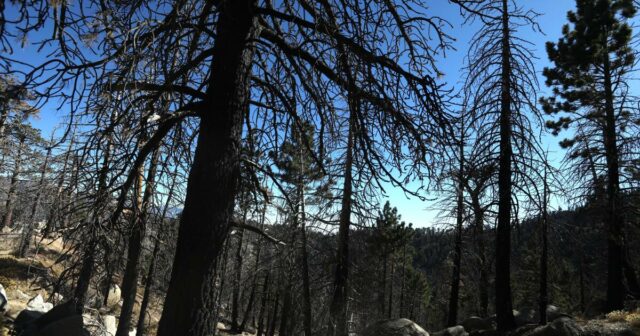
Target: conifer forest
(319,167)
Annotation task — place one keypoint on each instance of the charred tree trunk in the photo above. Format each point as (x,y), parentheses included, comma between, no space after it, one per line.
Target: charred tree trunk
(338,309)
(130,278)
(504,305)
(214,177)
(7,219)
(141,327)
(235,301)
(614,216)
(457,252)
(54,212)
(544,296)
(28,234)
(263,305)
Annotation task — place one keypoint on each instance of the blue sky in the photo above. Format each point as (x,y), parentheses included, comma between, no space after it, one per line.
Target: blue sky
(552,17)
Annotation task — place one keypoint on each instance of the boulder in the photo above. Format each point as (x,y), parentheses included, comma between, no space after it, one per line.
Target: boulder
(3,299)
(24,321)
(525,316)
(398,327)
(110,325)
(113,298)
(563,326)
(59,321)
(452,331)
(475,323)
(37,304)
(69,326)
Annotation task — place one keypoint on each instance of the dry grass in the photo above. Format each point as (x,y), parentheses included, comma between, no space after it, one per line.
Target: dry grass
(633,318)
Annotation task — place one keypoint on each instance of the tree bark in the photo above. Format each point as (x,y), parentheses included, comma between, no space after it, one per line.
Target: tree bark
(130,278)
(504,305)
(28,235)
(7,219)
(457,251)
(544,296)
(614,215)
(338,310)
(213,179)
(141,327)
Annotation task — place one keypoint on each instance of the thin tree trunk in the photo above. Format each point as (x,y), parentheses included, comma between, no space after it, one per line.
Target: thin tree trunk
(7,219)
(89,249)
(544,299)
(263,305)
(140,327)
(28,234)
(457,252)
(235,303)
(338,309)
(54,212)
(504,305)
(249,310)
(214,177)
(130,278)
(614,215)
(390,304)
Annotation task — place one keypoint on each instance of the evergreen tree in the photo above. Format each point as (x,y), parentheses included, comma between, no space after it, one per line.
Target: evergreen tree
(591,63)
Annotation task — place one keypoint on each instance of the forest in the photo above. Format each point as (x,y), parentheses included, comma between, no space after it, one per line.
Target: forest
(319,168)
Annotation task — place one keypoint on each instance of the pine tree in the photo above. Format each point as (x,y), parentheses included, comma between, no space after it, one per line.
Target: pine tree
(591,63)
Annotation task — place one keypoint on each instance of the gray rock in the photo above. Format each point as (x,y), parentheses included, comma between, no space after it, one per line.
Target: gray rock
(4,300)
(399,327)
(525,316)
(110,325)
(452,331)
(475,323)
(37,304)
(113,298)
(562,326)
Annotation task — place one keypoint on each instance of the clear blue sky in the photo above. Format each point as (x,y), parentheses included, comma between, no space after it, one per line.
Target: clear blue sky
(552,17)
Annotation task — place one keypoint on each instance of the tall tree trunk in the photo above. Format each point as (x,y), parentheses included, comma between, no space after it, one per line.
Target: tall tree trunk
(544,298)
(141,327)
(263,305)
(457,252)
(338,309)
(614,215)
(390,304)
(504,305)
(249,310)
(235,300)
(130,278)
(7,219)
(54,211)
(89,248)
(214,177)
(382,298)
(483,286)
(28,234)
(306,283)
(402,281)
